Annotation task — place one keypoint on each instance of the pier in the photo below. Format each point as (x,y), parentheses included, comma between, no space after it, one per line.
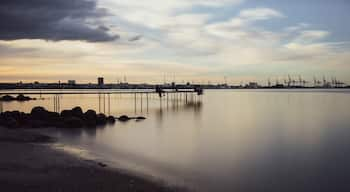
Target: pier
(140,97)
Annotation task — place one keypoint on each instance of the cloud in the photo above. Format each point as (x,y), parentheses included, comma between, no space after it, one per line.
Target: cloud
(156,13)
(159,37)
(168,24)
(298,27)
(259,14)
(311,35)
(239,27)
(307,45)
(135,38)
(8,51)
(53,20)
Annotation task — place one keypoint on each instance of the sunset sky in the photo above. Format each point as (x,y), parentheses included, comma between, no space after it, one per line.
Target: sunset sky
(181,40)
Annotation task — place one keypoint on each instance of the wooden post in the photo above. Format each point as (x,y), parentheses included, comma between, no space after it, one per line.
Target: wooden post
(56,100)
(57,104)
(54,103)
(141,102)
(104,103)
(167,100)
(109,104)
(177,99)
(135,102)
(99,102)
(147,101)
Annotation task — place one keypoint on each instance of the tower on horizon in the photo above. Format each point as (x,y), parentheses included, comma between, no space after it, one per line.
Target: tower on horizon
(100,81)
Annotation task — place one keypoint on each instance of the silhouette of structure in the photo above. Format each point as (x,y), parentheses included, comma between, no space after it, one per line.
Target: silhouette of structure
(288,83)
(100,81)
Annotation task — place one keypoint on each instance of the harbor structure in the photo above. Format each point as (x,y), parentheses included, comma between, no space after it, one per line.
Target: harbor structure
(100,81)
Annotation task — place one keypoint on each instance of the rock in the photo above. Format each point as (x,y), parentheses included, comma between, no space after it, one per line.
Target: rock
(66,114)
(53,115)
(39,117)
(39,113)
(101,164)
(77,112)
(101,119)
(21,97)
(36,123)
(53,119)
(11,123)
(23,118)
(15,114)
(72,122)
(140,118)
(124,118)
(110,119)
(90,123)
(9,119)
(6,114)
(2,121)
(7,98)
(90,115)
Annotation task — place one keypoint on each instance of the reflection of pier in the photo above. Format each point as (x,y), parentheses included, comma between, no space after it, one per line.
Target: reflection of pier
(141,98)
(56,103)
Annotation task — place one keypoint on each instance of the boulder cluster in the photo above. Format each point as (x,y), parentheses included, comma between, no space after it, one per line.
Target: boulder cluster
(20,97)
(40,117)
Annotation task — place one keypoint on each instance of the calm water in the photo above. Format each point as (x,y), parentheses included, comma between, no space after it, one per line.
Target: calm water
(228,141)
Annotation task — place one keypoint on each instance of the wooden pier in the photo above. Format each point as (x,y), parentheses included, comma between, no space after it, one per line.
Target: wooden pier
(140,97)
(84,91)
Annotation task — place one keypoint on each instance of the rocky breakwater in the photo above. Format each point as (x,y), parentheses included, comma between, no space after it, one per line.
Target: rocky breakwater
(39,117)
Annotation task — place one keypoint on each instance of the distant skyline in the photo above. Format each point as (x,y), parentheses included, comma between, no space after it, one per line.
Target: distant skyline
(181,40)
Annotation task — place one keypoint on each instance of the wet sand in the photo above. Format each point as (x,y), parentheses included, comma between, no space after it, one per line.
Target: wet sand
(29,163)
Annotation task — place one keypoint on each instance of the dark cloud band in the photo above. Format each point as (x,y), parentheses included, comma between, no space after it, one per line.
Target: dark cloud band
(53,20)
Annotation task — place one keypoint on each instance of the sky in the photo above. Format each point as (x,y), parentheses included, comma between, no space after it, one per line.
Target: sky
(174,40)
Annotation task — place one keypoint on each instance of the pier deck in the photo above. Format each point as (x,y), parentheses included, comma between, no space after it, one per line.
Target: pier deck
(93,92)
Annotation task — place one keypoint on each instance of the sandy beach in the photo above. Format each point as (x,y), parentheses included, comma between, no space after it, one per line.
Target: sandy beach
(29,163)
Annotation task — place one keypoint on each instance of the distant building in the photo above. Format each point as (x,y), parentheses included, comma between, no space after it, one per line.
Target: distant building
(71,82)
(252,85)
(100,81)
(278,85)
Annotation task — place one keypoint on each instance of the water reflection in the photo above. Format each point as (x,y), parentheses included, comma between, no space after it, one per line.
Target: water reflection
(77,133)
(177,107)
(56,103)
(70,133)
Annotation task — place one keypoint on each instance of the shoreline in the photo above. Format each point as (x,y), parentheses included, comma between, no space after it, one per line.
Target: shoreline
(29,162)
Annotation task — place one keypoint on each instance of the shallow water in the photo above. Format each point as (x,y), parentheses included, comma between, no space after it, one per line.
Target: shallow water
(227,140)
